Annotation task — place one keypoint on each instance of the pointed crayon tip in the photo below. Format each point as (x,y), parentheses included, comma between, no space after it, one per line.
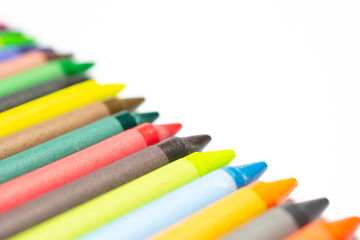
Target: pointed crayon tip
(306,212)
(196,143)
(168,130)
(131,103)
(344,228)
(246,174)
(71,68)
(312,209)
(209,161)
(145,117)
(274,193)
(111,89)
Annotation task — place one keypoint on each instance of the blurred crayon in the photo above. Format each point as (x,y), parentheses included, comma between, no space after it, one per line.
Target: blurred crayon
(278,223)
(42,74)
(321,229)
(67,122)
(67,144)
(180,203)
(15,39)
(54,104)
(10,52)
(98,211)
(230,212)
(70,168)
(28,60)
(33,93)
(98,182)
(2,27)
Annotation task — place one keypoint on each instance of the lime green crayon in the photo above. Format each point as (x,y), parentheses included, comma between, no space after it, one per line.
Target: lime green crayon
(14,38)
(124,199)
(39,75)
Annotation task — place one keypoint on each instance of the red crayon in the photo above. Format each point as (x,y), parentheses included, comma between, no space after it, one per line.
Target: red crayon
(45,179)
(2,27)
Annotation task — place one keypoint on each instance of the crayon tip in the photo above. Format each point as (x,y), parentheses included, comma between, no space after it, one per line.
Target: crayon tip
(344,228)
(306,212)
(111,89)
(209,161)
(145,117)
(51,55)
(273,193)
(71,68)
(131,103)
(196,143)
(167,130)
(248,173)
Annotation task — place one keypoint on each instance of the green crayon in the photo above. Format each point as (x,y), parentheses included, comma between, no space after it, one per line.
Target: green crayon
(121,200)
(36,76)
(72,142)
(13,39)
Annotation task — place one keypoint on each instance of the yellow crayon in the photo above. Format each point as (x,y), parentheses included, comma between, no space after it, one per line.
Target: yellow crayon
(230,212)
(54,104)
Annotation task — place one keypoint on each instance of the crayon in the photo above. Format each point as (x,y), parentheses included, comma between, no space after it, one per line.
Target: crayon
(321,229)
(27,61)
(42,74)
(38,91)
(54,104)
(231,211)
(40,181)
(14,39)
(67,122)
(119,201)
(10,52)
(69,143)
(180,203)
(2,27)
(98,182)
(281,221)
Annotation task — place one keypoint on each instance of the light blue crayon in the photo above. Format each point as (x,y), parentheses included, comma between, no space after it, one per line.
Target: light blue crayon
(178,204)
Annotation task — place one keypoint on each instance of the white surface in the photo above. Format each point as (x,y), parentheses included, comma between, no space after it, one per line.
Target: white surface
(274,80)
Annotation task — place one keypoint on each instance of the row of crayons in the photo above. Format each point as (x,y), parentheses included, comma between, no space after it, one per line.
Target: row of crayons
(76,162)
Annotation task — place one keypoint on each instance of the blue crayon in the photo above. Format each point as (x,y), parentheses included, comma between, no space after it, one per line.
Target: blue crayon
(178,204)
(10,52)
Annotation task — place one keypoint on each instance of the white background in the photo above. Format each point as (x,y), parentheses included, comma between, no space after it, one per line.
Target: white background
(277,81)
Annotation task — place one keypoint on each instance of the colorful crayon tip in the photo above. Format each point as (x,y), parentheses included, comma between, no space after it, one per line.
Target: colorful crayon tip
(72,68)
(344,228)
(50,55)
(196,143)
(145,117)
(311,210)
(112,89)
(209,161)
(274,193)
(131,103)
(246,174)
(167,130)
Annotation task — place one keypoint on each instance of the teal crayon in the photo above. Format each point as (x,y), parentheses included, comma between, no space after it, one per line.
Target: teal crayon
(70,143)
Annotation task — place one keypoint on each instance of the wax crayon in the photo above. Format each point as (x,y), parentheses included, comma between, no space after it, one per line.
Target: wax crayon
(321,229)
(70,168)
(26,61)
(15,39)
(67,122)
(180,203)
(98,182)
(42,74)
(69,143)
(281,221)
(54,104)
(2,27)
(231,211)
(10,52)
(38,91)
(119,201)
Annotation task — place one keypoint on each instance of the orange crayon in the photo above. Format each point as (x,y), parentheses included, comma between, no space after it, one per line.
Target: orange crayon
(27,61)
(321,229)
(231,211)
